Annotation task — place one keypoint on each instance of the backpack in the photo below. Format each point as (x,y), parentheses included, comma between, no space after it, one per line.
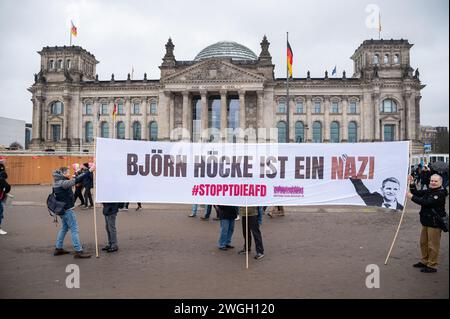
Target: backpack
(55,207)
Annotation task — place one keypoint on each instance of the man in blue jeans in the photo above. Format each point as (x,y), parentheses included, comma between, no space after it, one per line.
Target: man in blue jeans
(62,187)
(227,215)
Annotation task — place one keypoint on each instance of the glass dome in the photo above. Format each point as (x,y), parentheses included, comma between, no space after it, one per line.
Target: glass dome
(226,49)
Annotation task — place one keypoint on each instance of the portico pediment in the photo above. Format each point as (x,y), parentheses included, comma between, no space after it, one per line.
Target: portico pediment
(213,71)
(390,118)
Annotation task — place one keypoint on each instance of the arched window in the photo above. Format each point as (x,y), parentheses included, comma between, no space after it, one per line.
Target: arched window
(281,126)
(352,132)
(317,132)
(104,129)
(281,106)
(388,106)
(334,132)
(299,132)
(88,132)
(51,64)
(153,108)
(386,59)
(57,108)
(396,59)
(136,130)
(376,59)
(59,64)
(68,64)
(121,130)
(153,131)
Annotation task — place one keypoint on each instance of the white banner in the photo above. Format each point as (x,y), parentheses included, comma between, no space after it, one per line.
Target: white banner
(372,174)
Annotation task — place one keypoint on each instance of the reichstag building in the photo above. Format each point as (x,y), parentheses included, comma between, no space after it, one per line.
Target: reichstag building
(227,93)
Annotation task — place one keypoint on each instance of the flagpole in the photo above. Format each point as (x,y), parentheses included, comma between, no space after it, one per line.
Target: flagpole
(246,237)
(287,90)
(95,195)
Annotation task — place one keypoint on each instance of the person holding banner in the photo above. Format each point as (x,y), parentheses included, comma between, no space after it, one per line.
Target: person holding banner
(432,202)
(388,197)
(253,227)
(110,211)
(227,215)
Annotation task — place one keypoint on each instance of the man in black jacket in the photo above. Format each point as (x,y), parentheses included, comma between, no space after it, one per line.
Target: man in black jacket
(387,198)
(4,189)
(62,187)
(88,183)
(432,202)
(227,215)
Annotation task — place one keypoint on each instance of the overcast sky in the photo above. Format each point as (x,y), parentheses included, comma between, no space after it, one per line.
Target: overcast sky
(122,34)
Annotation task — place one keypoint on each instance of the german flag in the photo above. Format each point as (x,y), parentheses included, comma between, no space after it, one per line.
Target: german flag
(114,112)
(73,29)
(290,57)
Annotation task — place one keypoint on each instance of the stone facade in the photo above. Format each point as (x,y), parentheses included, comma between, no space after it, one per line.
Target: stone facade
(380,101)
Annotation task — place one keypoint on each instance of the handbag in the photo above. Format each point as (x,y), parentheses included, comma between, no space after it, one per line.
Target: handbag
(441,220)
(54,206)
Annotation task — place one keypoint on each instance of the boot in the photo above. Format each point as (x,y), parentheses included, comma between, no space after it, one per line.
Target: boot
(81,254)
(60,251)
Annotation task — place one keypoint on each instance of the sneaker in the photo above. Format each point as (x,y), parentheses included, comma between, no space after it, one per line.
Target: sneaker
(106,248)
(204,218)
(60,251)
(111,250)
(419,265)
(81,254)
(2,232)
(259,256)
(216,218)
(237,218)
(223,248)
(125,209)
(192,215)
(84,207)
(242,251)
(229,246)
(427,269)
(80,205)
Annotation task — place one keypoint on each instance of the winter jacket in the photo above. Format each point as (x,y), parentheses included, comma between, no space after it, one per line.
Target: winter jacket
(88,180)
(62,187)
(432,202)
(228,212)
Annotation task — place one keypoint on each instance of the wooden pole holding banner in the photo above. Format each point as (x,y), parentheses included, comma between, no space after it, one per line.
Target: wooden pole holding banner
(95,209)
(404,207)
(246,237)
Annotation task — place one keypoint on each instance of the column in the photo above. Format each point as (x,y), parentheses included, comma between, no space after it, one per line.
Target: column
(259,112)
(223,115)
(185,118)
(67,110)
(376,108)
(204,117)
(242,123)
(171,105)
(145,135)
(36,118)
(291,120)
(326,124)
(128,129)
(344,124)
(308,131)
(96,119)
(112,124)
(43,112)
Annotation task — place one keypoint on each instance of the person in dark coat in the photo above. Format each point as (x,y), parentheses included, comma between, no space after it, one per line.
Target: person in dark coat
(110,212)
(78,189)
(432,202)
(253,228)
(388,197)
(227,216)
(424,177)
(88,183)
(4,189)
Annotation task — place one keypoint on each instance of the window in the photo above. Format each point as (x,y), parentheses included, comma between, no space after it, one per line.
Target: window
(389,132)
(57,108)
(136,107)
(87,109)
(334,132)
(153,131)
(153,108)
(317,107)
(352,107)
(56,132)
(104,109)
(51,64)
(59,64)
(214,119)
(88,132)
(334,107)
(299,107)
(120,108)
(317,132)
(281,106)
(281,126)
(386,59)
(376,59)
(136,131)
(121,130)
(388,106)
(104,129)
(233,106)
(68,64)
(299,132)
(396,59)
(352,132)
